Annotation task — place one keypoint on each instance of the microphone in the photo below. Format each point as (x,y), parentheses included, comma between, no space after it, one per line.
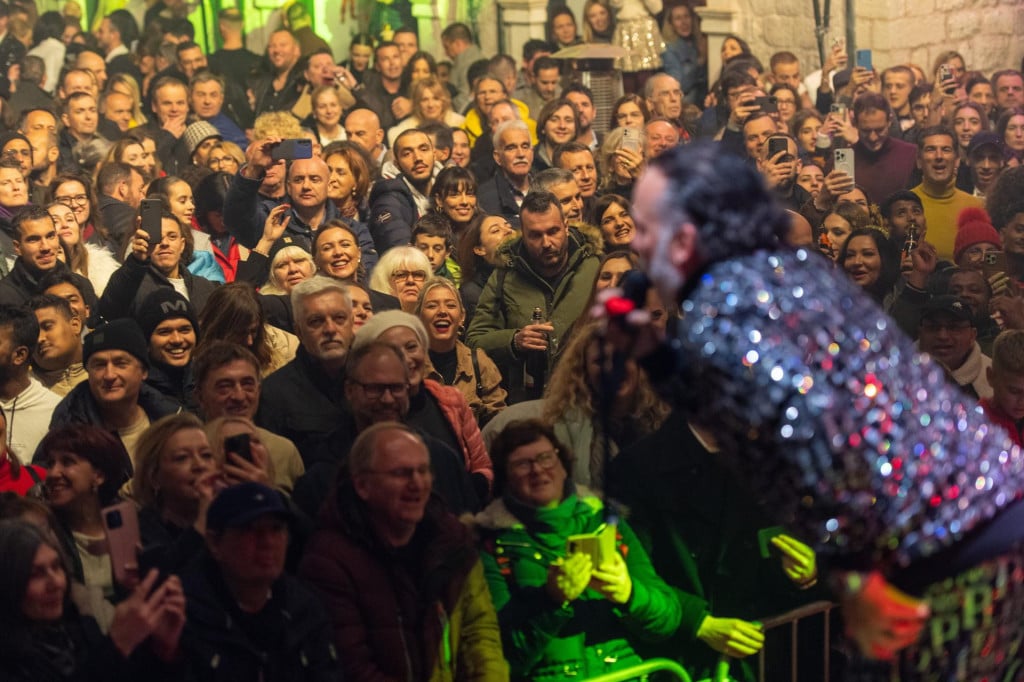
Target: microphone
(635,286)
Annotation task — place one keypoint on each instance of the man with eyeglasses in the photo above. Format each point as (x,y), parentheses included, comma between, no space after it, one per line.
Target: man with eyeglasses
(377,390)
(399,575)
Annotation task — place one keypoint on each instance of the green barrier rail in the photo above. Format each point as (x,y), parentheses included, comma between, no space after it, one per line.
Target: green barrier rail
(642,670)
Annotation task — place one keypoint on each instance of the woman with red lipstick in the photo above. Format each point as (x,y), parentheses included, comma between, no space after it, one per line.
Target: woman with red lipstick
(451,362)
(871,261)
(563,615)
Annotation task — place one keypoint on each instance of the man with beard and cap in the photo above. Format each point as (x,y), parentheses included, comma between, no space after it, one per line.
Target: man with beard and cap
(169,324)
(910,499)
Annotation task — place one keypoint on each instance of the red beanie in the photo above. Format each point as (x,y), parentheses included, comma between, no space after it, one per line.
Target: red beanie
(973,226)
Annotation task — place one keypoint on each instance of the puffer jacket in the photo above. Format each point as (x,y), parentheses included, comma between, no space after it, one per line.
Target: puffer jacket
(500,313)
(455,409)
(590,636)
(422,612)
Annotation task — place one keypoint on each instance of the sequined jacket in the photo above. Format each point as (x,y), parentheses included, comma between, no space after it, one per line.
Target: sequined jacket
(842,427)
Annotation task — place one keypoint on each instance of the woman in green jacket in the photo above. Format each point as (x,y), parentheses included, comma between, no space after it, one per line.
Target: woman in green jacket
(563,615)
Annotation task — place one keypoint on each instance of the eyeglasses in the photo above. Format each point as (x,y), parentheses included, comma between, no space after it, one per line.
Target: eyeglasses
(416,275)
(73,199)
(377,390)
(406,473)
(544,461)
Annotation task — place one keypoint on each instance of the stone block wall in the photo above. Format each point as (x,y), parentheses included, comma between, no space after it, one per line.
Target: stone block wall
(989,33)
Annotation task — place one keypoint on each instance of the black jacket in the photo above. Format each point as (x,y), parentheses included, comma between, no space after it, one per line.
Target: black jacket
(79,407)
(496,197)
(134,281)
(23,283)
(303,404)
(392,213)
(216,647)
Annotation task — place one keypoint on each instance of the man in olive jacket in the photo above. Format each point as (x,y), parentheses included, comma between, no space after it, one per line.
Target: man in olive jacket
(551,267)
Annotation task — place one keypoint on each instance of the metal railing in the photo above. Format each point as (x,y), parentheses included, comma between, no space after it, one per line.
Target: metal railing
(793,618)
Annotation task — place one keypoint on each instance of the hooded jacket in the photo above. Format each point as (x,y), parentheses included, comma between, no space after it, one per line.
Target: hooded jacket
(515,289)
(586,637)
(422,612)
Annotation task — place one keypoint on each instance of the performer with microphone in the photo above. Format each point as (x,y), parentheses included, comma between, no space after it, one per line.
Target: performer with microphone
(910,497)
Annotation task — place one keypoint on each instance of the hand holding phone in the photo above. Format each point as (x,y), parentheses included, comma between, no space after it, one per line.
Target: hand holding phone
(121,525)
(630,140)
(292,149)
(864,59)
(844,161)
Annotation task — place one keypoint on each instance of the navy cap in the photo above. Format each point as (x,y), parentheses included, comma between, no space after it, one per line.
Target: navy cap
(120,334)
(950,306)
(240,504)
(983,139)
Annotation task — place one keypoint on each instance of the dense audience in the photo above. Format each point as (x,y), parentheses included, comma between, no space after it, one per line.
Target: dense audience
(275,320)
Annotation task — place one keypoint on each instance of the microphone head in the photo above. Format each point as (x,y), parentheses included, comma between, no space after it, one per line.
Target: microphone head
(635,286)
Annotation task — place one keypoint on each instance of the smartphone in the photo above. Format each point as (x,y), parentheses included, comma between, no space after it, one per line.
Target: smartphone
(843,161)
(769,104)
(630,140)
(993,263)
(776,145)
(840,110)
(944,73)
(240,445)
(154,556)
(121,524)
(764,539)
(864,59)
(295,148)
(151,211)
(600,545)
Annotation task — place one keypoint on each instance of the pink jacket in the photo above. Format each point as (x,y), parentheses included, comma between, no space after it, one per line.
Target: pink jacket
(458,414)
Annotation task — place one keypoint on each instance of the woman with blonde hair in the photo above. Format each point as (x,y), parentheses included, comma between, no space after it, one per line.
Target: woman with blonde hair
(288,266)
(449,360)
(430,102)
(124,84)
(225,156)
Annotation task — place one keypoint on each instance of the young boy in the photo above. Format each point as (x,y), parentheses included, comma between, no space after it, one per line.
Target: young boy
(432,234)
(1006,376)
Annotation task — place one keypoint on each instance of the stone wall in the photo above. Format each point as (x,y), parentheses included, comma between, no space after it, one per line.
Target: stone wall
(987,32)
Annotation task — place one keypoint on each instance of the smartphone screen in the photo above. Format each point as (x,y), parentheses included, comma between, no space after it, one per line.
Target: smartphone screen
(239,444)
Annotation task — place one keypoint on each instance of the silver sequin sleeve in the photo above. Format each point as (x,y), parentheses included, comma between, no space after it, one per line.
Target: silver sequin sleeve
(834,419)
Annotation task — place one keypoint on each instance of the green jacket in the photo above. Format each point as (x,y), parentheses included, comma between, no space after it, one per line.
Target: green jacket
(515,289)
(590,636)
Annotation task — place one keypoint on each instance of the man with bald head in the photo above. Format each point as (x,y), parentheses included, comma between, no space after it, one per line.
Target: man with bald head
(362,126)
(305,191)
(93,63)
(77,80)
(664,96)
(661,135)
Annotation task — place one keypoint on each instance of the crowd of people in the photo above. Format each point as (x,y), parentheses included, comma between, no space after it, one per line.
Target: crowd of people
(323,333)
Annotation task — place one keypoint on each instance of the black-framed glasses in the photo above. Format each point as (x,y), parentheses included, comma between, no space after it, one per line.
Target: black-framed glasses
(74,199)
(544,461)
(416,275)
(377,390)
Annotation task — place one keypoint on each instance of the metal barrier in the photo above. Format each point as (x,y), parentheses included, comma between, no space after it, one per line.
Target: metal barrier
(649,666)
(793,618)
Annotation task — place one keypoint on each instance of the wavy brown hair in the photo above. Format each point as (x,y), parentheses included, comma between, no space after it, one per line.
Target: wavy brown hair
(569,387)
(229,314)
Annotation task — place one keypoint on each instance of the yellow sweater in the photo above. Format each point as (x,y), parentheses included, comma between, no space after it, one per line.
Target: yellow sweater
(941,212)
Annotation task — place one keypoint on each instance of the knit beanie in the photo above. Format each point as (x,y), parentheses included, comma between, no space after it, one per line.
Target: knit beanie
(973,226)
(121,334)
(164,304)
(373,328)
